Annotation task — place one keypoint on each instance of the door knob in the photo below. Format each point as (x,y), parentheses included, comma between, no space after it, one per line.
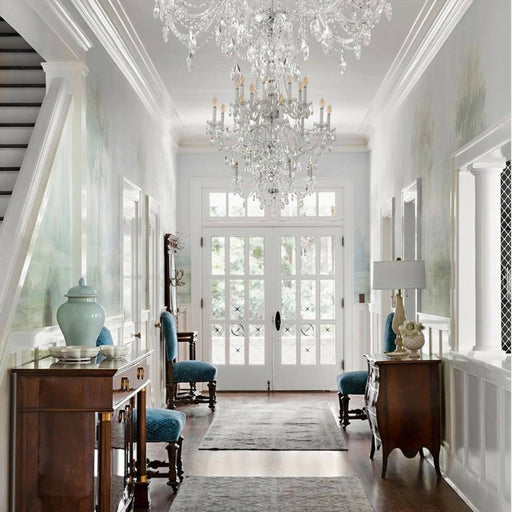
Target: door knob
(137,335)
(278,321)
(158,325)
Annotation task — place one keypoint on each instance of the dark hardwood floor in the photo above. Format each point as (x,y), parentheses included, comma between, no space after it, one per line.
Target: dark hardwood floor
(410,484)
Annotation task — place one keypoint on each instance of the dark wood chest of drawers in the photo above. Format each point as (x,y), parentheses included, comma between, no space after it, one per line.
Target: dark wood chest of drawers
(403,400)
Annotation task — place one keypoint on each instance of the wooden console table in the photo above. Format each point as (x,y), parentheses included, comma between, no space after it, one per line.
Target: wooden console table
(403,400)
(62,413)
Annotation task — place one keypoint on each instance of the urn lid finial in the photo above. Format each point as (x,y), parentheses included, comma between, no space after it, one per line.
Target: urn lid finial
(81,291)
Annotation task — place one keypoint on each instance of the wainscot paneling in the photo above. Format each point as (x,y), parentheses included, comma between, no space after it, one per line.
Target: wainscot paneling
(476,420)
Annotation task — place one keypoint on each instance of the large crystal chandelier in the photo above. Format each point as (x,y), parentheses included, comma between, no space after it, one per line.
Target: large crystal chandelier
(272,152)
(273,35)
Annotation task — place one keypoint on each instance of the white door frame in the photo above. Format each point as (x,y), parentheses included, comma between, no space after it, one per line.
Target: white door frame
(132,192)
(200,184)
(412,195)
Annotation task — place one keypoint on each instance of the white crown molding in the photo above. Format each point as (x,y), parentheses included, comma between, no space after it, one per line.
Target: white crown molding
(56,16)
(431,29)
(110,24)
(343,144)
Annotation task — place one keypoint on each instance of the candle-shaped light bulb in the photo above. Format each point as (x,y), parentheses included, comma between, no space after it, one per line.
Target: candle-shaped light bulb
(214,103)
(281,98)
(222,110)
(329,111)
(306,89)
(322,104)
(242,82)
(300,92)
(242,99)
(251,90)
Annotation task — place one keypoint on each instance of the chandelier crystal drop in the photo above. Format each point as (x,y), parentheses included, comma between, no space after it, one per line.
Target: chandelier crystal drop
(272,35)
(272,152)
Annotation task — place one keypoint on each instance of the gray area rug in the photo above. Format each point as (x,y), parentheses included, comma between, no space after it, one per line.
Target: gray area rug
(274,426)
(243,494)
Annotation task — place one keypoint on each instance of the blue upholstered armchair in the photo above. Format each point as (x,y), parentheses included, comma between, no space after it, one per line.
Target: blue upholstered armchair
(162,426)
(354,383)
(185,371)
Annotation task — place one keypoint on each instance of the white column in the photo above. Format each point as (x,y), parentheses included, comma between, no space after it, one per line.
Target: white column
(487,256)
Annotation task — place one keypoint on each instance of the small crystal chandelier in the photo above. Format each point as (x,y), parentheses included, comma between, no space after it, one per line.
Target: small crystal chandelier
(272,152)
(273,35)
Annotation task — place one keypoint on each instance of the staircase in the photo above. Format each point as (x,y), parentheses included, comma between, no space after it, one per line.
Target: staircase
(22,89)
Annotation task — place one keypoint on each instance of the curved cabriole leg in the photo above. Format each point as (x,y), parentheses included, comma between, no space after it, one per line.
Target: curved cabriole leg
(372,449)
(345,399)
(179,462)
(212,392)
(172,450)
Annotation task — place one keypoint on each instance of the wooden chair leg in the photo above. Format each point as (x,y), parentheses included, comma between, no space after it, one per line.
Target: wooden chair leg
(345,399)
(171,395)
(340,404)
(179,462)
(172,450)
(212,392)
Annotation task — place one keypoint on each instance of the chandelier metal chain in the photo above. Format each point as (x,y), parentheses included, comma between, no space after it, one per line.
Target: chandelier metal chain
(273,36)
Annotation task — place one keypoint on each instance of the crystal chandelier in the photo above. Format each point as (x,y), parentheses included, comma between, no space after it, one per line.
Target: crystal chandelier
(272,152)
(273,35)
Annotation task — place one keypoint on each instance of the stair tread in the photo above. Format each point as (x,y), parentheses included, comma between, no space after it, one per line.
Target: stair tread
(9,169)
(17,50)
(13,146)
(22,68)
(9,34)
(17,125)
(5,192)
(26,104)
(6,86)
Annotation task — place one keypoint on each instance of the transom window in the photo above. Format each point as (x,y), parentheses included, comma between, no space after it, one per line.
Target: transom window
(228,205)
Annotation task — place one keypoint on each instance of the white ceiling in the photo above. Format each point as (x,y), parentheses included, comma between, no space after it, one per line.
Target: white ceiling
(350,95)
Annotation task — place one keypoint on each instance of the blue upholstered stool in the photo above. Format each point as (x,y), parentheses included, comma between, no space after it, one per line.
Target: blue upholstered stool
(185,371)
(165,426)
(162,426)
(354,383)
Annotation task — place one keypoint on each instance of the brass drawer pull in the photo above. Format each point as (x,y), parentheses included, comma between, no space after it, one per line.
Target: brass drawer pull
(125,384)
(140,372)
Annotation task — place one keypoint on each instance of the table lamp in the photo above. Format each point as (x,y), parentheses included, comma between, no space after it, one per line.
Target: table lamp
(398,275)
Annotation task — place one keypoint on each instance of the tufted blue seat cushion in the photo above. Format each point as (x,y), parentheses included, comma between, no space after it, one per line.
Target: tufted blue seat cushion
(162,425)
(193,371)
(388,344)
(104,338)
(352,383)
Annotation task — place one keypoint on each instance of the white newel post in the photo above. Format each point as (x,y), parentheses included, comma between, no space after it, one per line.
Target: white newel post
(487,256)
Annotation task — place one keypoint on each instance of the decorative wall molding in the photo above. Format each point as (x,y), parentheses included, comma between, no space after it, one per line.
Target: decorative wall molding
(342,144)
(23,343)
(110,24)
(431,29)
(57,17)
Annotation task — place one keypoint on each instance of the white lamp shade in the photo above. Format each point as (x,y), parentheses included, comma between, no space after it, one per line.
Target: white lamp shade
(398,274)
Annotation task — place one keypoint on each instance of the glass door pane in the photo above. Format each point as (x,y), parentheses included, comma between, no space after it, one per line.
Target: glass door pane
(236,306)
(306,350)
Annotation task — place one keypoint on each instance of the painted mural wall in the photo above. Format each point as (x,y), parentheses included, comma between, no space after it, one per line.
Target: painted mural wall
(122,141)
(464,91)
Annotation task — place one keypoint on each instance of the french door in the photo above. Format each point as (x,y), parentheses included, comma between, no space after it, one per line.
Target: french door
(272,316)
